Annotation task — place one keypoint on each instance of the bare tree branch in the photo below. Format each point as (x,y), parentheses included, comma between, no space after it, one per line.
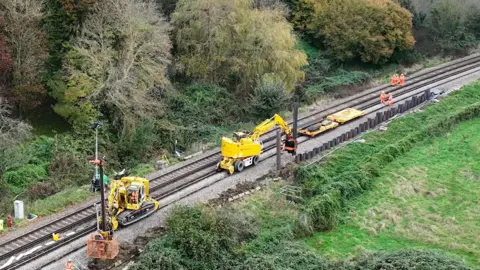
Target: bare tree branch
(121,56)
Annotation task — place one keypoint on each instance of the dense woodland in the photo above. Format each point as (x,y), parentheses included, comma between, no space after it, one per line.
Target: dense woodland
(156,72)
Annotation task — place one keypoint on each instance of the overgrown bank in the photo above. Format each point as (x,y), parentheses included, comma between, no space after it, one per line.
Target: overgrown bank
(272,232)
(152,106)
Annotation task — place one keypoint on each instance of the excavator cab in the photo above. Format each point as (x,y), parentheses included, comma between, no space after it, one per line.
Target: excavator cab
(136,195)
(241,135)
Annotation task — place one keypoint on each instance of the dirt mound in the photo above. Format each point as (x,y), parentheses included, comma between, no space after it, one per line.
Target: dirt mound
(229,193)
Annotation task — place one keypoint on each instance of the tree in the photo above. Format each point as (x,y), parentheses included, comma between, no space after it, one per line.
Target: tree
(232,44)
(61,20)
(418,17)
(6,60)
(12,131)
(447,23)
(28,46)
(116,64)
(369,29)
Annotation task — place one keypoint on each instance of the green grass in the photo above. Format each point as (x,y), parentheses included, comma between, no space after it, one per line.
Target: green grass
(426,199)
(59,201)
(54,203)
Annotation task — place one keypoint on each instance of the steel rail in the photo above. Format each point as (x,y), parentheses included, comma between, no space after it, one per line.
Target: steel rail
(205,163)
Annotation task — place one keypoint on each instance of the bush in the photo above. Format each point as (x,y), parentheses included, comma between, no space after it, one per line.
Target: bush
(408,259)
(447,24)
(19,179)
(268,98)
(337,79)
(199,239)
(236,47)
(201,103)
(41,190)
(369,29)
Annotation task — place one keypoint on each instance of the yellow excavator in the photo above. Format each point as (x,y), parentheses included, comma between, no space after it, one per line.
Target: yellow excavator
(245,148)
(129,200)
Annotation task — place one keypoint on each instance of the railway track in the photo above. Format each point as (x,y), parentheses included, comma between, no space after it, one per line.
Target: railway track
(196,171)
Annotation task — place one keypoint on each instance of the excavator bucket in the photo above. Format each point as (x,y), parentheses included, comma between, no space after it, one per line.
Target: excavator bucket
(100,248)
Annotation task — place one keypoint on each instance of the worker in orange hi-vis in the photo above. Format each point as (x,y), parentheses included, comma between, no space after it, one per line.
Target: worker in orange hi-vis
(69,265)
(390,100)
(383,97)
(10,221)
(402,79)
(392,80)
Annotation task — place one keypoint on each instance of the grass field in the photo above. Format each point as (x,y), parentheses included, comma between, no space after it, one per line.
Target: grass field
(427,199)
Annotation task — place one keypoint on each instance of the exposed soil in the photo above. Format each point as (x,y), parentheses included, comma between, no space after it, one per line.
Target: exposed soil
(229,193)
(128,251)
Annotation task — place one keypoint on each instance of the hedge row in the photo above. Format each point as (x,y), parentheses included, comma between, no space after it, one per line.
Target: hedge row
(326,194)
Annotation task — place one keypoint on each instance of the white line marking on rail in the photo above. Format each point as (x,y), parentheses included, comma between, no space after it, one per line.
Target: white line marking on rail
(49,243)
(20,256)
(33,250)
(70,233)
(8,262)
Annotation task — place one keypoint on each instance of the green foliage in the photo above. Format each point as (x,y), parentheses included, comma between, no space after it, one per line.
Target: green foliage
(205,103)
(370,29)
(448,25)
(215,43)
(418,17)
(349,174)
(408,259)
(199,239)
(21,178)
(268,98)
(110,71)
(320,84)
(199,113)
(138,144)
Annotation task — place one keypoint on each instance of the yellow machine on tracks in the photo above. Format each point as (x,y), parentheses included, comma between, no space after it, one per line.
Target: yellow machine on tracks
(129,200)
(245,148)
(332,121)
(318,128)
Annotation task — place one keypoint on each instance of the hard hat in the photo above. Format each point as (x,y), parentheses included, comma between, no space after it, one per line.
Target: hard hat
(69,259)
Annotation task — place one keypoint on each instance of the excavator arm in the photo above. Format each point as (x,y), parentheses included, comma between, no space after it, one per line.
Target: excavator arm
(269,124)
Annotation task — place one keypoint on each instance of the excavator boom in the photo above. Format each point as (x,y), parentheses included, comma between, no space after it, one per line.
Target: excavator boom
(269,124)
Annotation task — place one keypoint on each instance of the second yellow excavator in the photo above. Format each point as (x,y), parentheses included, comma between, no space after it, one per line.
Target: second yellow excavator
(129,200)
(245,148)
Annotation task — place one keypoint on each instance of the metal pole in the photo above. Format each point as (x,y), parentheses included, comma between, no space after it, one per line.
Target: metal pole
(96,151)
(295,119)
(102,196)
(279,137)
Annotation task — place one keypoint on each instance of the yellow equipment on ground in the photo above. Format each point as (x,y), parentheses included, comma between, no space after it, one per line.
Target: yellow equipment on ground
(346,115)
(332,121)
(318,128)
(129,200)
(245,148)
